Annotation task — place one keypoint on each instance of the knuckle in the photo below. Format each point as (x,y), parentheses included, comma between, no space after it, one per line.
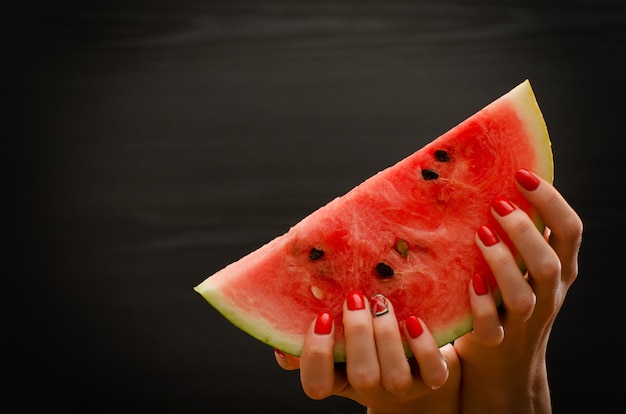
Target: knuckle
(316,391)
(502,260)
(522,226)
(397,384)
(315,351)
(364,380)
(358,328)
(429,355)
(522,304)
(432,354)
(386,330)
(572,229)
(548,268)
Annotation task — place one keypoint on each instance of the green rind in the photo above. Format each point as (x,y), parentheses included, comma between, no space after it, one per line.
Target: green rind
(251,324)
(524,99)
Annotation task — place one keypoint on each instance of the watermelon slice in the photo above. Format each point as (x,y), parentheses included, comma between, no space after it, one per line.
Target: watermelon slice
(406,232)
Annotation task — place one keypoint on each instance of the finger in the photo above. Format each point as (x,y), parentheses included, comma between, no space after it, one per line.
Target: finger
(286,361)
(361,356)
(486,321)
(432,365)
(565,225)
(518,297)
(317,369)
(542,262)
(394,369)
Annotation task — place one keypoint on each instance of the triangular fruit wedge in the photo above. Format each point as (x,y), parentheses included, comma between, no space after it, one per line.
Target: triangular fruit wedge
(406,232)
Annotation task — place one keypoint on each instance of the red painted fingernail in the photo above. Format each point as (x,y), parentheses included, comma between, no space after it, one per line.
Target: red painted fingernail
(356,301)
(414,326)
(323,324)
(280,353)
(526,179)
(480,286)
(502,206)
(487,236)
(379,305)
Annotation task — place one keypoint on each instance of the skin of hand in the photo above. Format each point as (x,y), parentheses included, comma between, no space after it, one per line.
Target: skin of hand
(377,373)
(504,359)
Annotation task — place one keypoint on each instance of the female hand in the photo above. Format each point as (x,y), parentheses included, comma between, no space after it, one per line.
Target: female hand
(504,358)
(377,373)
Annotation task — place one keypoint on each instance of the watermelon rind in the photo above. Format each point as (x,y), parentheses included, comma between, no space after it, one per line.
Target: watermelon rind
(525,101)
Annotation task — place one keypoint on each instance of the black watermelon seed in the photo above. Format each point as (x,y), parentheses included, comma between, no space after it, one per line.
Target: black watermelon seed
(384,270)
(442,156)
(315,254)
(429,175)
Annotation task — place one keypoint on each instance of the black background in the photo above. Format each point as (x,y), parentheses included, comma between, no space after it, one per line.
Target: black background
(150,143)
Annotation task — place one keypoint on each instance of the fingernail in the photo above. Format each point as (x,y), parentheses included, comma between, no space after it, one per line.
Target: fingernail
(480,287)
(280,353)
(323,323)
(379,305)
(414,326)
(526,179)
(487,236)
(502,206)
(356,301)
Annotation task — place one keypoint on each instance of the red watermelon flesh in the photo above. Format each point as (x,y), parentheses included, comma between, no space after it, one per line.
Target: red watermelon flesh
(406,232)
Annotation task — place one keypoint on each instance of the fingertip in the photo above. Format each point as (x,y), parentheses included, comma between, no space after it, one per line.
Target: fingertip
(487,327)
(413,326)
(433,366)
(285,361)
(527,180)
(479,285)
(323,324)
(280,355)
